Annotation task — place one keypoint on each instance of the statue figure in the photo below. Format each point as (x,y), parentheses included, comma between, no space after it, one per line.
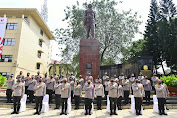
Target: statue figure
(90,21)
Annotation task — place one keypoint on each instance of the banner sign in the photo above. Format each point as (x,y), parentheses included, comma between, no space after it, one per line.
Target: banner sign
(3,22)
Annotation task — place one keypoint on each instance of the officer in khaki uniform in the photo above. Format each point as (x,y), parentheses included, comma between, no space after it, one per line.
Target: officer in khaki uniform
(10,82)
(126,88)
(71,81)
(138,92)
(121,77)
(120,96)
(65,94)
(89,77)
(166,92)
(40,92)
(161,94)
(154,81)
(131,81)
(32,83)
(98,79)
(89,96)
(77,94)
(81,81)
(147,88)
(50,87)
(57,88)
(99,90)
(45,78)
(18,92)
(113,94)
(106,87)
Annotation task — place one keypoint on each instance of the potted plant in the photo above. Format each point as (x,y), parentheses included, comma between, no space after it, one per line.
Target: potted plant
(2,80)
(171,82)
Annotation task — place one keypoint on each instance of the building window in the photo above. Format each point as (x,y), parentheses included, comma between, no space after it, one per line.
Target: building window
(39,54)
(38,65)
(40,43)
(6,58)
(6,74)
(11,26)
(41,32)
(9,42)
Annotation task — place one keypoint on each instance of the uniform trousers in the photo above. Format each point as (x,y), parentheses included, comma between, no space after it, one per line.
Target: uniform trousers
(72,95)
(64,104)
(16,100)
(119,100)
(38,100)
(138,103)
(161,102)
(9,95)
(147,97)
(26,90)
(88,105)
(31,95)
(50,92)
(57,100)
(99,100)
(113,103)
(77,101)
(126,96)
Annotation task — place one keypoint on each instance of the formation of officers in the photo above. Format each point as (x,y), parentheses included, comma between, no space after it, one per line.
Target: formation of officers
(117,88)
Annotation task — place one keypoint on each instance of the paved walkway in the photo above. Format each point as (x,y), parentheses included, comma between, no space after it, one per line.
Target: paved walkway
(148,113)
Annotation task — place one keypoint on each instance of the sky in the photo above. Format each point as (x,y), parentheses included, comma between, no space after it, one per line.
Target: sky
(56,13)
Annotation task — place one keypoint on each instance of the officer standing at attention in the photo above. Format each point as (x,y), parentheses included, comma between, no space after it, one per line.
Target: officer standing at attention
(105,77)
(98,79)
(77,94)
(160,93)
(50,87)
(113,94)
(65,94)
(10,82)
(126,88)
(89,96)
(147,88)
(38,76)
(120,96)
(56,77)
(57,88)
(138,92)
(20,76)
(71,81)
(131,81)
(40,92)
(32,83)
(99,90)
(141,77)
(121,77)
(26,80)
(81,81)
(89,77)
(154,81)
(45,78)
(18,92)
(106,87)
(166,92)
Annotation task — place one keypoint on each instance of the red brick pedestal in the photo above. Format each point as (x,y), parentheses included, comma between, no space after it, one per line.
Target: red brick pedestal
(89,58)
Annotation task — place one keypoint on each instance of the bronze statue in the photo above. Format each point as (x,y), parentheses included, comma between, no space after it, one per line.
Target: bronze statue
(90,21)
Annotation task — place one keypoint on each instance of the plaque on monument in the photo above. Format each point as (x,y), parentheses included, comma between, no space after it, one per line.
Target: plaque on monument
(89,68)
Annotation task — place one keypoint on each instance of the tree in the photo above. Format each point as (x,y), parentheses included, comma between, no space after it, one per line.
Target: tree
(114,29)
(153,44)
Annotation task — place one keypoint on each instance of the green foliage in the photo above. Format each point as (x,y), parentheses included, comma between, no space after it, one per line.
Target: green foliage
(170,81)
(114,29)
(2,80)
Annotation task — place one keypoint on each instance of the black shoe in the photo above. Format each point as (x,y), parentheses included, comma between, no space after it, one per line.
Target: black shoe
(137,114)
(61,113)
(11,102)
(86,113)
(56,108)
(167,109)
(115,113)
(13,112)
(89,113)
(65,113)
(17,112)
(75,108)
(35,113)
(164,113)
(7,102)
(100,108)
(160,113)
(111,113)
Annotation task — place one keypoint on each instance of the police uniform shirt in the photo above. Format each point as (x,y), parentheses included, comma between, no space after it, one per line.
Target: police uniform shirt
(138,92)
(65,93)
(106,85)
(120,79)
(120,91)
(89,78)
(26,80)
(104,79)
(10,82)
(154,80)
(126,86)
(131,80)
(146,85)
(32,84)
(89,92)
(57,88)
(71,80)
(81,81)
(98,79)
(113,90)
(99,90)
(18,90)
(40,91)
(160,91)
(77,90)
(50,84)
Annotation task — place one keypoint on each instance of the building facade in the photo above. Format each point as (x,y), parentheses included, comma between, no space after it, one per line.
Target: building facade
(26,45)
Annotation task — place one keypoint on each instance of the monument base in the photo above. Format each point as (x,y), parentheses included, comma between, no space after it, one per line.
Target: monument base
(89,58)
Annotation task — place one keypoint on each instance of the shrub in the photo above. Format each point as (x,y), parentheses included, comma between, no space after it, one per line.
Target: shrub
(170,81)
(2,80)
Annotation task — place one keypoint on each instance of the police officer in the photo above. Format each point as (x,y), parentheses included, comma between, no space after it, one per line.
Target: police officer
(20,76)
(147,88)
(57,88)
(40,92)
(105,77)
(166,93)
(121,77)
(50,87)
(120,96)
(99,90)
(10,82)
(131,81)
(45,78)
(98,79)
(65,94)
(38,76)
(32,83)
(154,81)
(56,77)
(126,88)
(89,77)
(18,92)
(71,81)
(89,96)
(116,79)
(106,87)
(160,93)
(81,81)
(141,77)
(77,94)
(26,79)
(138,92)
(113,94)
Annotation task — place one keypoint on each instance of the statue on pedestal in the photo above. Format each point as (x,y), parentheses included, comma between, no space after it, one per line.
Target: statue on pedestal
(90,21)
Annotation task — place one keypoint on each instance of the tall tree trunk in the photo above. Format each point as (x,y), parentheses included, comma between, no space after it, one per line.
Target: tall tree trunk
(102,55)
(156,69)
